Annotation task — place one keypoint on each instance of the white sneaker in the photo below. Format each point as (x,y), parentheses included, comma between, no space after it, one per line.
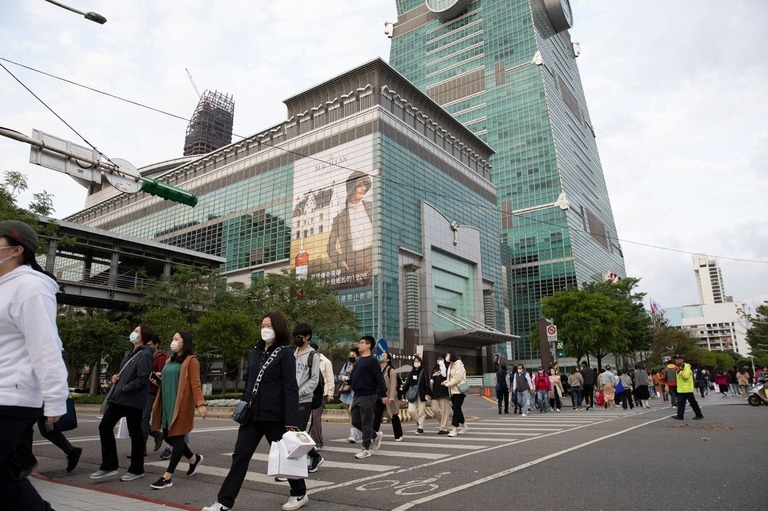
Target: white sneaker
(523,414)
(352,437)
(130,476)
(558,410)
(462,429)
(295,503)
(101,474)
(377,440)
(217,507)
(364,453)
(452,432)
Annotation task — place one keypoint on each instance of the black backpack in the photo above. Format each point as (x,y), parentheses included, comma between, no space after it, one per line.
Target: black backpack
(317,395)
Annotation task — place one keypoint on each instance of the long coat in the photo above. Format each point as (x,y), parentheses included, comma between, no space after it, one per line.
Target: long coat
(188,397)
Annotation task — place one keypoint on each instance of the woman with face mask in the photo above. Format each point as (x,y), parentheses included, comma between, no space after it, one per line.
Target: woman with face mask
(441,402)
(173,411)
(33,377)
(274,410)
(127,398)
(393,406)
(456,375)
(417,406)
(345,392)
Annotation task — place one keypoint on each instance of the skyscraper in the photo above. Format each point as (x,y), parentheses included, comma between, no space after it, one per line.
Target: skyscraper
(211,125)
(709,280)
(507,71)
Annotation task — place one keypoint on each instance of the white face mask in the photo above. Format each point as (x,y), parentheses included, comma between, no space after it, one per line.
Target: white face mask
(4,260)
(268,335)
(416,365)
(134,337)
(520,371)
(175,346)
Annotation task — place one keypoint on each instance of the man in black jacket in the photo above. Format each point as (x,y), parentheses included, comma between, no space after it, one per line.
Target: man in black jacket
(368,385)
(589,384)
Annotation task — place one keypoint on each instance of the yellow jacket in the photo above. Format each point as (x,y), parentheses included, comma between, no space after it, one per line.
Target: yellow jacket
(685,379)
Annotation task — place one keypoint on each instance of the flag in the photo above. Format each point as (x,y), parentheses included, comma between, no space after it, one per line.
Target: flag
(656,309)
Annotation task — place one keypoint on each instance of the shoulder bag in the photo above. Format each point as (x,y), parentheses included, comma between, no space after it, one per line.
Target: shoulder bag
(242,413)
(105,404)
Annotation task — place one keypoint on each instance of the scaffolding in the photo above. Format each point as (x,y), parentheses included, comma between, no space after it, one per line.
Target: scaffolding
(211,124)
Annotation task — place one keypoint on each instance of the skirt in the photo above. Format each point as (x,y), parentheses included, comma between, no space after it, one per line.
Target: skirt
(609,392)
(641,392)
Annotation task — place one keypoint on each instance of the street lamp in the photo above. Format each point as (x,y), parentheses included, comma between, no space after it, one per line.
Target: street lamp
(93,16)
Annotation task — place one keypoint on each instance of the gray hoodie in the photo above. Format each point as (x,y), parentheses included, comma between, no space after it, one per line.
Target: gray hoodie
(306,381)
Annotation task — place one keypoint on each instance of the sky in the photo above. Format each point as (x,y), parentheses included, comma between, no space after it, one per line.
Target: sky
(675,90)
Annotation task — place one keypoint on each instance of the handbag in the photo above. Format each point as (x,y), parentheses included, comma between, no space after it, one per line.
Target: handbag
(68,421)
(242,413)
(280,465)
(619,387)
(412,394)
(297,443)
(463,387)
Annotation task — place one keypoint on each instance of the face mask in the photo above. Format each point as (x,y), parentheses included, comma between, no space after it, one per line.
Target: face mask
(382,358)
(267,334)
(440,363)
(352,360)
(4,260)
(134,337)
(541,372)
(175,346)
(298,340)
(447,359)
(417,365)
(520,371)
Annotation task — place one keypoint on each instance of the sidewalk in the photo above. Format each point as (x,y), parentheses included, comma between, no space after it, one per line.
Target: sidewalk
(65,496)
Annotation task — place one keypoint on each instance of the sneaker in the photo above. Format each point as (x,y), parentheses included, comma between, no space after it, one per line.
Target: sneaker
(524,414)
(419,431)
(162,484)
(377,440)
(73,457)
(217,507)
(400,439)
(442,432)
(166,454)
(453,432)
(351,439)
(130,476)
(462,429)
(158,441)
(281,479)
(698,417)
(295,503)
(101,474)
(364,453)
(193,466)
(314,464)
(677,418)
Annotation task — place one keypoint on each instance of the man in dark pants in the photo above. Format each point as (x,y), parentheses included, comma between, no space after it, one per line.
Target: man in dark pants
(368,386)
(685,389)
(589,384)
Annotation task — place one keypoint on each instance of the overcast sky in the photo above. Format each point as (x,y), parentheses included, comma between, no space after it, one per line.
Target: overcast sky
(676,93)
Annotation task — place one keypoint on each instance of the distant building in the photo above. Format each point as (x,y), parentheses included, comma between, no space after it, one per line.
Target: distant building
(717,326)
(211,125)
(368,185)
(709,280)
(507,71)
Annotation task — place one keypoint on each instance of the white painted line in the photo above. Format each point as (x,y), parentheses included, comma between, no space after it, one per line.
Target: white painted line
(503,473)
(447,443)
(250,476)
(351,450)
(359,465)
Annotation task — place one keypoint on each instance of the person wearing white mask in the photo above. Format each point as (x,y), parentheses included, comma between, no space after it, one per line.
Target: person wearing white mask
(180,393)
(274,410)
(417,402)
(33,378)
(127,398)
(441,402)
(456,374)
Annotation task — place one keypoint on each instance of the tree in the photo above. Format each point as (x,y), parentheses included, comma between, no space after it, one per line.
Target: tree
(190,291)
(308,301)
(668,341)
(226,333)
(42,205)
(600,318)
(757,334)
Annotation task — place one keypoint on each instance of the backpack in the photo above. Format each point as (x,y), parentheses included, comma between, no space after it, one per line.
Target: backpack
(317,395)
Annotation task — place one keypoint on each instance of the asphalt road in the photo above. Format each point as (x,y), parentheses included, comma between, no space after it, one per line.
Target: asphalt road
(599,460)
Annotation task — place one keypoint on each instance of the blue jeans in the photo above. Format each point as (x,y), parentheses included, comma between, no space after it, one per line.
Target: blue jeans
(576,397)
(543,397)
(524,399)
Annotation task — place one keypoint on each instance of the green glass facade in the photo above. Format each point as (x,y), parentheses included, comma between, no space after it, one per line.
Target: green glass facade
(501,70)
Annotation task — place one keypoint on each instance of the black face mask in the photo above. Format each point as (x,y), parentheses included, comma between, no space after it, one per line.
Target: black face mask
(298,340)
(352,360)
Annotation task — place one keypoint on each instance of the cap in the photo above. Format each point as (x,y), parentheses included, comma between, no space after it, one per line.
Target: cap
(21,233)
(679,355)
(540,368)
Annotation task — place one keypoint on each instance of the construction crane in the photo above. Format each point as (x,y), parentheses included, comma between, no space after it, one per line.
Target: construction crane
(199,96)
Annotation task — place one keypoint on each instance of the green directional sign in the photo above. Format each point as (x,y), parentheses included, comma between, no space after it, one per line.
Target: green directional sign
(166,191)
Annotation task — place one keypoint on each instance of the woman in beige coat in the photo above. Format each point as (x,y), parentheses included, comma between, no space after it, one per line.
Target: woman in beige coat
(456,376)
(393,406)
(180,392)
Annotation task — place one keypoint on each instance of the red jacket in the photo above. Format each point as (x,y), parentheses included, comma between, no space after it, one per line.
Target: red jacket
(158,362)
(542,382)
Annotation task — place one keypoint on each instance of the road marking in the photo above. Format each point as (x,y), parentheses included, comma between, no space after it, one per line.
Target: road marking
(503,473)
(249,476)
(352,450)
(445,444)
(360,465)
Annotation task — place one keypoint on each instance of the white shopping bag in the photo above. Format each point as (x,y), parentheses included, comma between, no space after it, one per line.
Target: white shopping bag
(280,465)
(122,429)
(298,443)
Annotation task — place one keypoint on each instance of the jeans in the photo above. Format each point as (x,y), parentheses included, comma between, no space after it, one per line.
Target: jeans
(524,400)
(248,438)
(542,396)
(363,409)
(305,410)
(132,416)
(16,492)
(682,397)
(576,397)
(457,400)
(673,394)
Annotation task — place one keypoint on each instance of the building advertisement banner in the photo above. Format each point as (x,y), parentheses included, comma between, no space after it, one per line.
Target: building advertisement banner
(333,224)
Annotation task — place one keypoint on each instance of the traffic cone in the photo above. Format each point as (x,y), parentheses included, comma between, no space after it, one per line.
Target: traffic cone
(487,392)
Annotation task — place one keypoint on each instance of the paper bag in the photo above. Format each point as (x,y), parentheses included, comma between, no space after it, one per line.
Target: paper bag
(122,429)
(280,465)
(298,443)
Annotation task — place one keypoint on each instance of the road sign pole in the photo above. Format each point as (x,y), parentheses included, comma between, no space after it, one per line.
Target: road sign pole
(544,346)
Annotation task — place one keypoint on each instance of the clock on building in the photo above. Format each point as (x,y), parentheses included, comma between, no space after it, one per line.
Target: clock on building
(559,14)
(447,9)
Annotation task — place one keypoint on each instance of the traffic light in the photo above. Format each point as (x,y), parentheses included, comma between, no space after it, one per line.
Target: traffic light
(560,349)
(166,191)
